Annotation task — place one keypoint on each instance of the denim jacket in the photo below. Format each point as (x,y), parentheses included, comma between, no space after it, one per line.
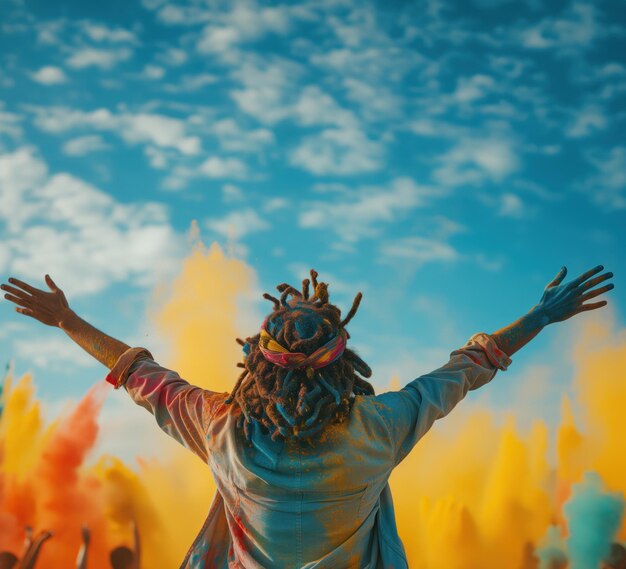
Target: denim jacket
(287,504)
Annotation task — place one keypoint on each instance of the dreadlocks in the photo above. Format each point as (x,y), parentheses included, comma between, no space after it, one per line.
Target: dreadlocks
(289,403)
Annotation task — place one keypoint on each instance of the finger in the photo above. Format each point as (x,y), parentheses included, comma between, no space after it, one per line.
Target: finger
(26,287)
(582,278)
(591,306)
(15,291)
(17,300)
(51,284)
(597,280)
(596,292)
(559,277)
(26,312)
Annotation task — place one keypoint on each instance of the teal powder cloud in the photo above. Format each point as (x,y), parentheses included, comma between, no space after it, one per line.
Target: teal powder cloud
(551,552)
(593,518)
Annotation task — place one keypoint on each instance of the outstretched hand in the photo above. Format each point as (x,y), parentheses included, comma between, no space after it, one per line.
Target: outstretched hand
(562,301)
(47,307)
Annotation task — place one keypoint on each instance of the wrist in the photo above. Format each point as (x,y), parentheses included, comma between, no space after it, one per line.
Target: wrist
(67,320)
(539,316)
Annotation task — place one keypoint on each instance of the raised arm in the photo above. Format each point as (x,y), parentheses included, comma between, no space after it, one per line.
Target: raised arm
(51,308)
(81,560)
(410,412)
(30,558)
(180,409)
(137,545)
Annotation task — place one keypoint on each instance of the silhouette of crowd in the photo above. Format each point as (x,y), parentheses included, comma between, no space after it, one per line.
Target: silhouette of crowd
(121,557)
(615,559)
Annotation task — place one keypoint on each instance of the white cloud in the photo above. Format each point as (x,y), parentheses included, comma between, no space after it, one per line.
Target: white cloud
(238,224)
(10,123)
(270,93)
(380,60)
(94,57)
(418,251)
(84,145)
(376,100)
(511,206)
(52,352)
(472,161)
(48,32)
(233,138)
(612,69)
(274,204)
(152,72)
(315,107)
(189,83)
(469,89)
(20,172)
(49,75)
(232,193)
(341,152)
(216,167)
(608,186)
(173,56)
(432,127)
(173,15)
(586,121)
(158,158)
(11,329)
(361,213)
(80,235)
(576,28)
(245,22)
(269,88)
(134,128)
(102,33)
(160,130)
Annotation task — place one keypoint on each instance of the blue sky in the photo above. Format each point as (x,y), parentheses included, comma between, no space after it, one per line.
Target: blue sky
(446,158)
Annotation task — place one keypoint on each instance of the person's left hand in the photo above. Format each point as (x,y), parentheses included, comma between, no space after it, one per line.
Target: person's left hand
(562,301)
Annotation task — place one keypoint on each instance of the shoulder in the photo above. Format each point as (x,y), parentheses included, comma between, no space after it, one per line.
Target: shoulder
(370,411)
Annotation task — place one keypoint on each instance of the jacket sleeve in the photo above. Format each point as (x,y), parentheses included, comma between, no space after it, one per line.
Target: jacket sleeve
(182,410)
(410,412)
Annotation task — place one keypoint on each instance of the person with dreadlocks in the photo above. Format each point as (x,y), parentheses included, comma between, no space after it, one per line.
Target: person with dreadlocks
(301,450)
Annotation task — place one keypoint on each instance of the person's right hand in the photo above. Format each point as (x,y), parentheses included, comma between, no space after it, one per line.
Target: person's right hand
(48,307)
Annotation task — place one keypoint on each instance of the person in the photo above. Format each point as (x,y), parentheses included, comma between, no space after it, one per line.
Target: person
(616,559)
(81,560)
(8,560)
(31,556)
(301,449)
(123,557)
(32,549)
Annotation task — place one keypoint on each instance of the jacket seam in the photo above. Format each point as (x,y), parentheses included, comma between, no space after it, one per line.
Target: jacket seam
(391,445)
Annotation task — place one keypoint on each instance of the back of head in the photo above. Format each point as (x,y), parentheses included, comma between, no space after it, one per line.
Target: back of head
(122,558)
(7,560)
(299,377)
